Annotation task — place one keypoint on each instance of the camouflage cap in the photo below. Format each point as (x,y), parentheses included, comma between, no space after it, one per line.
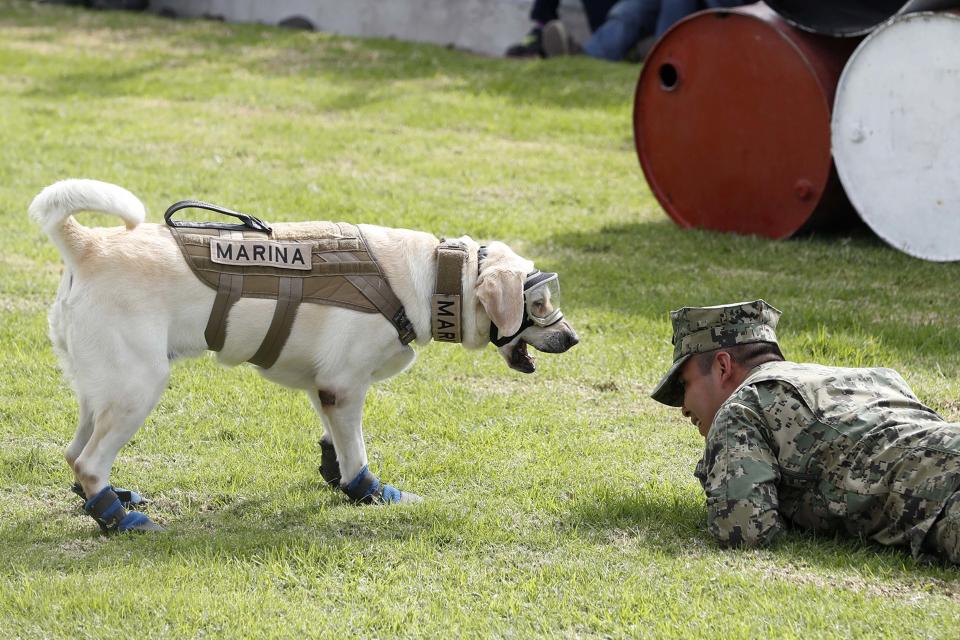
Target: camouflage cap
(700,329)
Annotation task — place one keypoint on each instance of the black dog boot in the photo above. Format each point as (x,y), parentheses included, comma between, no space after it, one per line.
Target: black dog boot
(329,467)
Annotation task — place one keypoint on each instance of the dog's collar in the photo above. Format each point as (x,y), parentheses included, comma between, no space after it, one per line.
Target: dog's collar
(446,311)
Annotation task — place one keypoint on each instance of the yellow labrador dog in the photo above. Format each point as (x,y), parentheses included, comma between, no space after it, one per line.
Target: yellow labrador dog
(129,303)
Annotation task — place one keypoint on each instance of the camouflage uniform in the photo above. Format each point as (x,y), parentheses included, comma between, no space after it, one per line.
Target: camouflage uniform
(944,536)
(827,449)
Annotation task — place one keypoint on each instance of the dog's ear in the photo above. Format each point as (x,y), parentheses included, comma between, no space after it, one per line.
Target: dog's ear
(500,291)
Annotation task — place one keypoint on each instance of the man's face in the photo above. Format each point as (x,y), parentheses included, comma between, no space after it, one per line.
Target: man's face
(703,393)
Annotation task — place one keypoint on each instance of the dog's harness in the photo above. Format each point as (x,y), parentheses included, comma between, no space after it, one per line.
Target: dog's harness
(317,262)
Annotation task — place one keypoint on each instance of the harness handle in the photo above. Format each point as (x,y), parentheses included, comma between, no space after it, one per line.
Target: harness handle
(249,222)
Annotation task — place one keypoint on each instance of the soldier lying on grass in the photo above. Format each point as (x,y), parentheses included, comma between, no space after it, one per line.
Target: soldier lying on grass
(822,448)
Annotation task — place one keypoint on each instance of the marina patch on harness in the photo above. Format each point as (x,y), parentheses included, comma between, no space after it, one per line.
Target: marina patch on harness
(283,255)
(446,318)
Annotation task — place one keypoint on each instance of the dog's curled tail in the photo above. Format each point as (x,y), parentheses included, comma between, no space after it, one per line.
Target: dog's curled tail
(54,205)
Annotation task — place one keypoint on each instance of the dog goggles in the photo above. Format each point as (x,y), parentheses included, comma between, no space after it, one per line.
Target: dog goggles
(541,296)
(541,301)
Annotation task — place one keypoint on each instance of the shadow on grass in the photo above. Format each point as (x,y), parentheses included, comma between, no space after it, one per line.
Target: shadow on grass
(676,526)
(108,81)
(324,534)
(847,284)
(70,541)
(376,62)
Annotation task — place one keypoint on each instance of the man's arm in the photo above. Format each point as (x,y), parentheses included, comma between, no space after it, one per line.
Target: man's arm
(740,473)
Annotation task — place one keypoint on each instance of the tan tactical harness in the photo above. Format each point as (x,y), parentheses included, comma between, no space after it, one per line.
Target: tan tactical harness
(317,262)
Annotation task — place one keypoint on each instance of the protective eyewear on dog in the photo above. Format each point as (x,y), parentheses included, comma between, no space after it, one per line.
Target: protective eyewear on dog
(541,295)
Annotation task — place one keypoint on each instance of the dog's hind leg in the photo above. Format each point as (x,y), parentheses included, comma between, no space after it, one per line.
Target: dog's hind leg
(343,417)
(132,395)
(82,435)
(84,430)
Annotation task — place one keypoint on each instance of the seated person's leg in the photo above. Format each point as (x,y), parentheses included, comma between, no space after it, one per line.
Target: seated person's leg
(543,11)
(597,11)
(723,4)
(672,11)
(627,22)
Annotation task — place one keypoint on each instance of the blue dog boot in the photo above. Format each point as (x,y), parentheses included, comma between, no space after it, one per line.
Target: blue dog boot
(329,467)
(136,521)
(127,497)
(367,489)
(106,509)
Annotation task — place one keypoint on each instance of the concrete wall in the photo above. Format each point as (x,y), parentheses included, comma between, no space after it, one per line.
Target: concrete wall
(482,26)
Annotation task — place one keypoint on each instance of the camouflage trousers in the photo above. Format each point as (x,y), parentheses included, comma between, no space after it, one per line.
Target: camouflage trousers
(943,539)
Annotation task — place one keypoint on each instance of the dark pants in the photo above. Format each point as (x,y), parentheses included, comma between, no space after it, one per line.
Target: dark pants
(675,10)
(632,20)
(546,10)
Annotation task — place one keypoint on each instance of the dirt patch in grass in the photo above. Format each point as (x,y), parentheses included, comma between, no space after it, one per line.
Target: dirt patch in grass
(81,547)
(904,590)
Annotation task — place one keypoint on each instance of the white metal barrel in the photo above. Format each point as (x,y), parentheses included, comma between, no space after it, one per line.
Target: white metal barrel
(896,133)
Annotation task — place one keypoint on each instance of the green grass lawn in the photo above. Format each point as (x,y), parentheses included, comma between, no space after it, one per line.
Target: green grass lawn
(557,504)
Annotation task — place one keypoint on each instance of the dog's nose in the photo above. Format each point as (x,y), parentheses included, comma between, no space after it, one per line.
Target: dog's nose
(569,340)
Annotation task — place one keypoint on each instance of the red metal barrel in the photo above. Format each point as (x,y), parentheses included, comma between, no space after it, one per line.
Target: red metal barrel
(849,17)
(732,124)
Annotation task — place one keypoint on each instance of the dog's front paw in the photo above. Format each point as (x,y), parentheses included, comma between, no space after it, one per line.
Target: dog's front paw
(366,488)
